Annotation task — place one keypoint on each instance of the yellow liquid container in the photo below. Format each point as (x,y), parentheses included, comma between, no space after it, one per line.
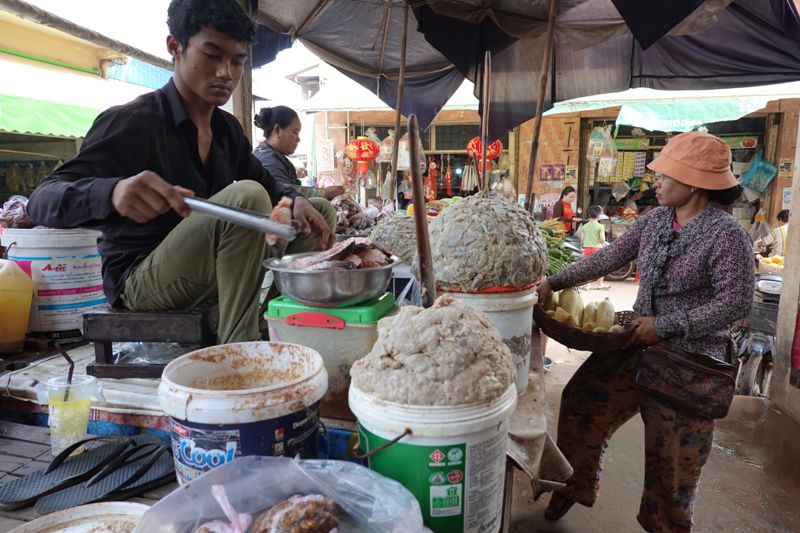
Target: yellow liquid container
(69,406)
(16,293)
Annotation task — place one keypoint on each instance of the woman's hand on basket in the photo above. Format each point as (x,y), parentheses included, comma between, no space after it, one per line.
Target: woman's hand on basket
(644,333)
(543,291)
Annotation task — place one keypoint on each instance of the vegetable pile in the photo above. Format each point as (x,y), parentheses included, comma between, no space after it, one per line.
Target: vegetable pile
(553,232)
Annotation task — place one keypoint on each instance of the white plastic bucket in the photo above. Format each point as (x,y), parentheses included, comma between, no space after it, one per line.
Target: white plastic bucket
(512,314)
(453,461)
(232,400)
(66,271)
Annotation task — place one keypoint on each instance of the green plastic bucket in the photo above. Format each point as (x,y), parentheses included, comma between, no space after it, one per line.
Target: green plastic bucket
(453,461)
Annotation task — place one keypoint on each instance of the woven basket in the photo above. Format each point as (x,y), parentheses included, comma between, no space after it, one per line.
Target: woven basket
(578,339)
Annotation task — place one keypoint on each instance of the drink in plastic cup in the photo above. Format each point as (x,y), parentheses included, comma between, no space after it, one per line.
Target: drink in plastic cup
(69,410)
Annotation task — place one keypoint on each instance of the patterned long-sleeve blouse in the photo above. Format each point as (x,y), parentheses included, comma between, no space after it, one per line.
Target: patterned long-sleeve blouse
(695,281)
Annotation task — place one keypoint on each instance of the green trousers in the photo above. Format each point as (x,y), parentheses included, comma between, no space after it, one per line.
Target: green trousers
(204,258)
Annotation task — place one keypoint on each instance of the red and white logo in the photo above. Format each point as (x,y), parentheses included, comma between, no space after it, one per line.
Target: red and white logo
(436,456)
(455,476)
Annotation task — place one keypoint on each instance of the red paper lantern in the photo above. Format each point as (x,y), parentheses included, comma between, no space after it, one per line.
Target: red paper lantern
(362,151)
(492,151)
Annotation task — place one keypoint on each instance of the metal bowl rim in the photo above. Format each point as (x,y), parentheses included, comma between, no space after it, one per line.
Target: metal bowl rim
(272,265)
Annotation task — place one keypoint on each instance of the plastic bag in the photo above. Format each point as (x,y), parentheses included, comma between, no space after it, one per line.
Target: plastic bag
(760,230)
(369,501)
(759,174)
(14,213)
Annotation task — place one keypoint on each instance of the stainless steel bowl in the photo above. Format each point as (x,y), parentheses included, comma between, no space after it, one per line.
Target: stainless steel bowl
(329,288)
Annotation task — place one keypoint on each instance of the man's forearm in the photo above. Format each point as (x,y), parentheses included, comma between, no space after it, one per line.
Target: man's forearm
(59,203)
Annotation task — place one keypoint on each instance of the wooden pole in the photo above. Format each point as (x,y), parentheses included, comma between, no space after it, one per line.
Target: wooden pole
(242,97)
(426,275)
(530,196)
(401,80)
(485,105)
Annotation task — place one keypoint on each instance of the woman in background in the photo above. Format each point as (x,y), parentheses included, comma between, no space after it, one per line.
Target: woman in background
(562,210)
(282,127)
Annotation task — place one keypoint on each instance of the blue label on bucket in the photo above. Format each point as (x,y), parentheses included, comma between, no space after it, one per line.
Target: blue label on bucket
(197,448)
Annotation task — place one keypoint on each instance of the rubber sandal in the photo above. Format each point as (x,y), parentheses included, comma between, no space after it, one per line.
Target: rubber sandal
(128,471)
(62,472)
(161,473)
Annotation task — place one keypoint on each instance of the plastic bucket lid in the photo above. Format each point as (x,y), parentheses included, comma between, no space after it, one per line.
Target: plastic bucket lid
(50,238)
(489,302)
(242,382)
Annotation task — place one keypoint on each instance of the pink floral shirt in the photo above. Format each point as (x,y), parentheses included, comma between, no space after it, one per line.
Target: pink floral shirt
(696,281)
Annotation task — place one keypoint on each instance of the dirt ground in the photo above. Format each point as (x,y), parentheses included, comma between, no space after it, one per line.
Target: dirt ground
(751,482)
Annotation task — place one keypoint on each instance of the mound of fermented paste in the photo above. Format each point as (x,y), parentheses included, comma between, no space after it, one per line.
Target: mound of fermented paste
(450,354)
(397,233)
(480,243)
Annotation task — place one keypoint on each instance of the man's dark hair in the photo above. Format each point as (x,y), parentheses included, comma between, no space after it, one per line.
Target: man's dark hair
(268,117)
(186,18)
(726,196)
(783,215)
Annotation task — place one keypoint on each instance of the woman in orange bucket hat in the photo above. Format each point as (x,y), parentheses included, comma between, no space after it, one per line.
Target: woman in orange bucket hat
(696,279)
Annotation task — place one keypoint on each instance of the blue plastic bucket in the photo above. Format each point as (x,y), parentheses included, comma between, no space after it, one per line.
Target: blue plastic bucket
(232,400)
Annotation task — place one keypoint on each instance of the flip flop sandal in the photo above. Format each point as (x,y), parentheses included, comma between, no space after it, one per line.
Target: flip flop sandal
(62,472)
(161,473)
(127,469)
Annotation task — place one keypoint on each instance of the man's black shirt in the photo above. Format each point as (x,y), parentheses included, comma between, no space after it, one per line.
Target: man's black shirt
(151,133)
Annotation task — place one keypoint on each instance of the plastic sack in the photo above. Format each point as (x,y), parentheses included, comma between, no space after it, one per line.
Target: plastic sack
(369,501)
(759,174)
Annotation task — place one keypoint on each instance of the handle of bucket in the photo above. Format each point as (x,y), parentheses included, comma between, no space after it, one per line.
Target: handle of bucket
(8,249)
(380,448)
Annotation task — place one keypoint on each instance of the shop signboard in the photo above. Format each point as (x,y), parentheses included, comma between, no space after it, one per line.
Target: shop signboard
(741,141)
(639,143)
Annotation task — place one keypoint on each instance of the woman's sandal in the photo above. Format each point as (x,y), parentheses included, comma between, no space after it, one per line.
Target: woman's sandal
(559,505)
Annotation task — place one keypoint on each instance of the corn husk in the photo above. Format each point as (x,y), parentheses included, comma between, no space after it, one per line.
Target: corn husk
(589,314)
(571,301)
(605,314)
(616,328)
(552,301)
(565,318)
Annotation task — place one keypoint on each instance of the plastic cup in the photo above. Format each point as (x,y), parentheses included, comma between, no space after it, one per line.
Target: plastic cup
(69,406)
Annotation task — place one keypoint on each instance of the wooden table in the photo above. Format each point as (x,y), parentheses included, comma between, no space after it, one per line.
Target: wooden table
(25,449)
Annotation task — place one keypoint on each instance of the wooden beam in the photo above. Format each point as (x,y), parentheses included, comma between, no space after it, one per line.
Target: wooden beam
(242,98)
(537,127)
(784,393)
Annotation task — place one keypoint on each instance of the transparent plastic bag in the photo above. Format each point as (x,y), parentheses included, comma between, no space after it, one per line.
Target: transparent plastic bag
(149,353)
(759,174)
(369,501)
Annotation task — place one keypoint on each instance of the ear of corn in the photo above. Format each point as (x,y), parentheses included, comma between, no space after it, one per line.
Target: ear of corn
(605,314)
(589,314)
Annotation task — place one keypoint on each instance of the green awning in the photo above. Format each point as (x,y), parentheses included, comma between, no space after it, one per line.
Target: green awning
(25,115)
(671,114)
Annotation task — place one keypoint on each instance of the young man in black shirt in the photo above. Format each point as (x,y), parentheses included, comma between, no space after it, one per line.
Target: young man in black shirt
(139,159)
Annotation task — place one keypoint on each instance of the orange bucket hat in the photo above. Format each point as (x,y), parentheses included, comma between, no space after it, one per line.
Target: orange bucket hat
(696,159)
